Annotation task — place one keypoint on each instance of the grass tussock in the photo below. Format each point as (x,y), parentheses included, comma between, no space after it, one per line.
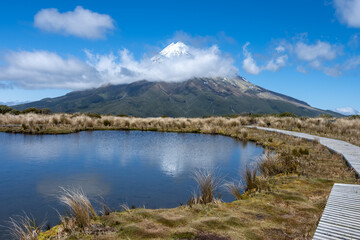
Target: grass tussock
(82,212)
(208,185)
(24,227)
(250,178)
(236,189)
(271,164)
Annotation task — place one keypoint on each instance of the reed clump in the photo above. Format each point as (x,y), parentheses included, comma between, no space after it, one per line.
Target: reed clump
(208,185)
(251,180)
(253,183)
(235,189)
(271,164)
(82,212)
(24,227)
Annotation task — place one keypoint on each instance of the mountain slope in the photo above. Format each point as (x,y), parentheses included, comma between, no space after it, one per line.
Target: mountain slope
(193,98)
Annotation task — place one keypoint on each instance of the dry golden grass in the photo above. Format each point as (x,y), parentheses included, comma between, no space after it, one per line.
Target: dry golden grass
(24,227)
(81,209)
(271,165)
(347,129)
(208,185)
(235,189)
(252,182)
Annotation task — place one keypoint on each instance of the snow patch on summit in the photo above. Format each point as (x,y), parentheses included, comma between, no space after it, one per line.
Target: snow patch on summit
(173,50)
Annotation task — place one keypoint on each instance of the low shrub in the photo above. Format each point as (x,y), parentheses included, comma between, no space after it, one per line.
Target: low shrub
(93,115)
(303,151)
(287,114)
(37,111)
(107,123)
(5,109)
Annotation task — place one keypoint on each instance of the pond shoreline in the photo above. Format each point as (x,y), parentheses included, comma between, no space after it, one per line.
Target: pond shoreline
(317,182)
(346,129)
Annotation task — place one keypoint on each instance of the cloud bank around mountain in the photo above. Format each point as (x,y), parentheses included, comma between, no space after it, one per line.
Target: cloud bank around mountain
(347,111)
(80,22)
(43,69)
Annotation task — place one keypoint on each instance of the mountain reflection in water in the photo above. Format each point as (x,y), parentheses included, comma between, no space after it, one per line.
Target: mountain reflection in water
(138,168)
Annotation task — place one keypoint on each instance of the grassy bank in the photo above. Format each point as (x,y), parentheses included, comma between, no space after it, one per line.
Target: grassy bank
(347,129)
(285,202)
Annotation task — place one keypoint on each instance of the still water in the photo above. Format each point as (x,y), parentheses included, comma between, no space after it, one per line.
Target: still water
(150,169)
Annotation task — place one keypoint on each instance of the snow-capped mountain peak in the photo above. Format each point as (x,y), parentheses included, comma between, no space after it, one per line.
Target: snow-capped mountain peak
(173,50)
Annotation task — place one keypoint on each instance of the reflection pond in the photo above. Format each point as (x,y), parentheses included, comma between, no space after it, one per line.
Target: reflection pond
(150,169)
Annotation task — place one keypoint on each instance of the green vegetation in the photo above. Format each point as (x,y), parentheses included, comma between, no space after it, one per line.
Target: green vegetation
(37,111)
(6,109)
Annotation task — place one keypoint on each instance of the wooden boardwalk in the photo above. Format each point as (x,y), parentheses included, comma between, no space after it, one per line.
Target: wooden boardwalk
(351,153)
(341,217)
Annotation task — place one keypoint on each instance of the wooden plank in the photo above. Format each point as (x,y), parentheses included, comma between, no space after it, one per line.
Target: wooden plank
(341,217)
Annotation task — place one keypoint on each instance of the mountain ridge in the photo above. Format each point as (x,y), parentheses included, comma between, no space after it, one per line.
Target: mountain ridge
(195,97)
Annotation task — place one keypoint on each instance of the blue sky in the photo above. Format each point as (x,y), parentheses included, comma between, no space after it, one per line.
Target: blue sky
(306,49)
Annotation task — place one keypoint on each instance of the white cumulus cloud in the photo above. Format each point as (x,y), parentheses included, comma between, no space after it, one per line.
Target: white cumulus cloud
(42,69)
(348,11)
(249,64)
(338,69)
(347,111)
(277,63)
(280,49)
(317,55)
(274,64)
(80,22)
(313,52)
(301,69)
